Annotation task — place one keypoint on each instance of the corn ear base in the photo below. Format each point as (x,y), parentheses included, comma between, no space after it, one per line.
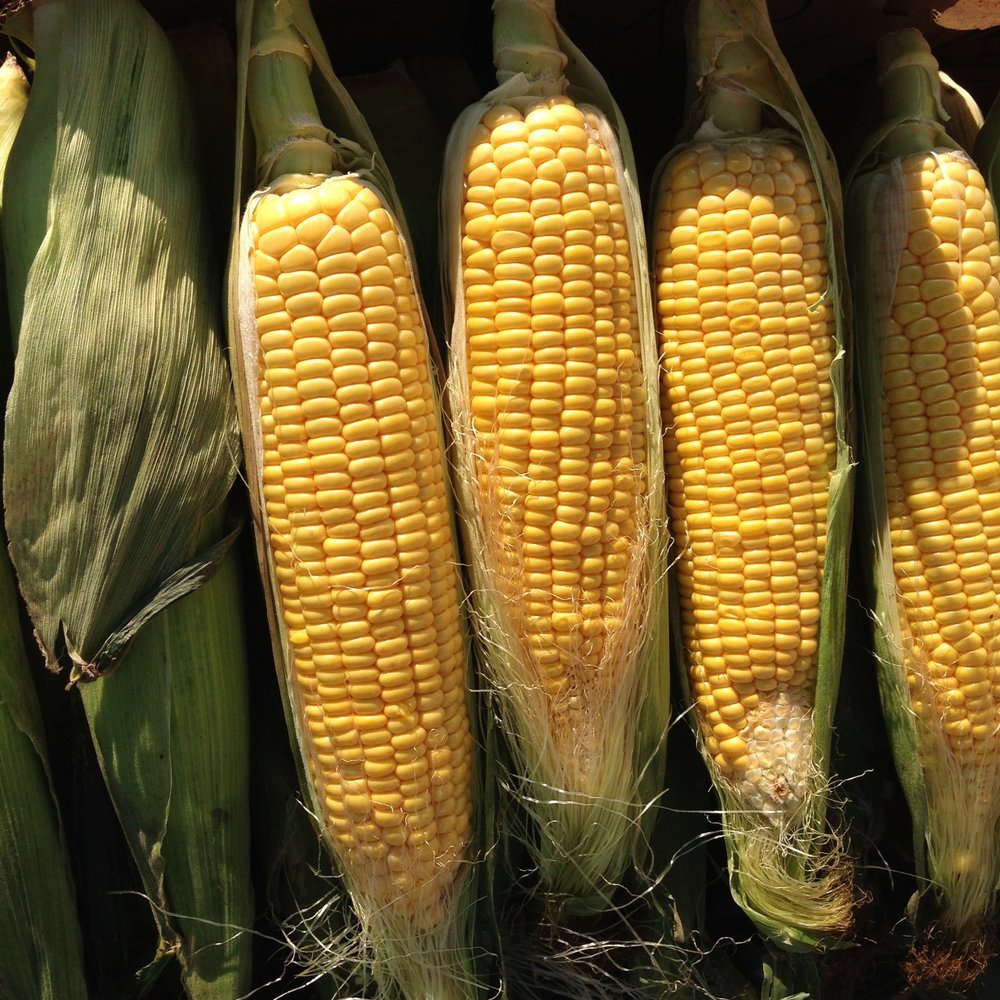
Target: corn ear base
(120,348)
(581,840)
(407,961)
(792,879)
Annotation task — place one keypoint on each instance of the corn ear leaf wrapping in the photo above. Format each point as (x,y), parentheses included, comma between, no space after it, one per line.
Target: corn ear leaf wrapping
(120,430)
(951,799)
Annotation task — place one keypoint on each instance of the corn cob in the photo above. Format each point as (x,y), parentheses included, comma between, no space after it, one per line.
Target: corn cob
(749,308)
(928,278)
(104,499)
(554,411)
(354,526)
(43,952)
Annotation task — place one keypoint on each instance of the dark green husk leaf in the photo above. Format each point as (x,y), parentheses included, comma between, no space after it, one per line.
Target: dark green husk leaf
(117,339)
(42,945)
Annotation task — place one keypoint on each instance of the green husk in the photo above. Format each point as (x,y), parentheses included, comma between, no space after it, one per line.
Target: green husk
(953,806)
(582,835)
(171,733)
(43,951)
(170,729)
(986,151)
(790,876)
(965,119)
(42,945)
(305,127)
(117,339)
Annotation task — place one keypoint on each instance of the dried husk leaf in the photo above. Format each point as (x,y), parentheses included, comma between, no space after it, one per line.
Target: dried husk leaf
(791,878)
(953,806)
(580,838)
(408,961)
(118,342)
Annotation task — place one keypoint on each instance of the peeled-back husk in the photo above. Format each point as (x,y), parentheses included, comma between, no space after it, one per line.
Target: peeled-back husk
(120,434)
(581,838)
(793,879)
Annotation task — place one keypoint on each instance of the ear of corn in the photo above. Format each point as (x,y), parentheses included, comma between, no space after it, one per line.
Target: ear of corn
(348,480)
(104,498)
(552,397)
(43,951)
(749,271)
(170,728)
(926,272)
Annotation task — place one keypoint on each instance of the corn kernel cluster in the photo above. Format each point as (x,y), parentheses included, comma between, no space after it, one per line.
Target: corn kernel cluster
(742,270)
(359,527)
(556,389)
(940,414)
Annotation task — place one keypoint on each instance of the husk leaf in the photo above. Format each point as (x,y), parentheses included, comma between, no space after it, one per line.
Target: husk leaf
(581,839)
(965,119)
(952,805)
(435,963)
(117,346)
(172,737)
(43,948)
(791,878)
(986,151)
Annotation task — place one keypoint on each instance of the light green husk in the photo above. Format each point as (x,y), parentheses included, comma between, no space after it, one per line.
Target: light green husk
(171,732)
(42,946)
(986,151)
(954,806)
(790,876)
(121,434)
(965,119)
(589,816)
(306,127)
